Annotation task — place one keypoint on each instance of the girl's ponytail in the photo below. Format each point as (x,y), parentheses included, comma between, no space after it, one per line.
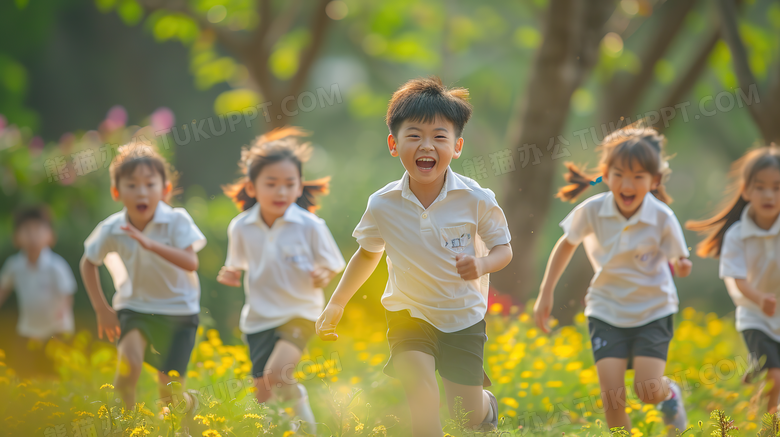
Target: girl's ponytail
(578,181)
(312,189)
(237,193)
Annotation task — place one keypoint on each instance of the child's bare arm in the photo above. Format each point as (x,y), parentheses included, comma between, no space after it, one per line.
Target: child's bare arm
(556,264)
(766,301)
(4,293)
(186,258)
(106,316)
(358,270)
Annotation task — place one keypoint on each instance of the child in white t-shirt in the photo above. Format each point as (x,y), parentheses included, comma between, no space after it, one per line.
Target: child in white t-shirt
(745,235)
(630,236)
(150,249)
(44,285)
(288,255)
(443,234)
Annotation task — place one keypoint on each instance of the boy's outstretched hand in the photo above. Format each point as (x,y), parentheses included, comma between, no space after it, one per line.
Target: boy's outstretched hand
(326,323)
(469,267)
(229,276)
(684,266)
(768,304)
(322,277)
(542,310)
(108,323)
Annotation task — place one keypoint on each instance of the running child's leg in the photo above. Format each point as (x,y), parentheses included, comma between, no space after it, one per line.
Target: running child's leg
(279,377)
(612,379)
(417,372)
(773,378)
(475,401)
(650,384)
(130,360)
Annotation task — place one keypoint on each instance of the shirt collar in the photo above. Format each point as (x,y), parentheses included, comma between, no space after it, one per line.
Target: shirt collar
(293,214)
(645,214)
(751,229)
(43,258)
(162,214)
(451,183)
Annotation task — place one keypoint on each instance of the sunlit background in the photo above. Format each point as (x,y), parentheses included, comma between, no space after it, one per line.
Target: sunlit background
(548,80)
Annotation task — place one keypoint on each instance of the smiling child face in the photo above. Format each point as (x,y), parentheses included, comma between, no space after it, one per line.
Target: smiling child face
(763,193)
(426,149)
(629,184)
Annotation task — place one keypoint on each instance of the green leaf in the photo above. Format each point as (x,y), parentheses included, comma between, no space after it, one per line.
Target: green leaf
(130,12)
(21,4)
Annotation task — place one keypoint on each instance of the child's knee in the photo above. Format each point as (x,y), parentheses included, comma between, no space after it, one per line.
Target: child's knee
(130,367)
(773,377)
(650,391)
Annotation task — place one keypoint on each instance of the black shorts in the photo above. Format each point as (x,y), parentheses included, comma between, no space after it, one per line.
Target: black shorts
(458,355)
(169,339)
(764,351)
(650,340)
(297,331)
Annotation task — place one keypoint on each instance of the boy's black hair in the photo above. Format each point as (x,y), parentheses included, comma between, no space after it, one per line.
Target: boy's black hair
(32,213)
(426,98)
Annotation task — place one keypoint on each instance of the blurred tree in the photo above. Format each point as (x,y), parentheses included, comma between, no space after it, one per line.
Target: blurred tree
(577,39)
(272,45)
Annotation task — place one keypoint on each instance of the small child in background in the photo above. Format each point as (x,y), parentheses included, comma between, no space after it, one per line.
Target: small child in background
(150,249)
(630,236)
(44,285)
(745,235)
(288,255)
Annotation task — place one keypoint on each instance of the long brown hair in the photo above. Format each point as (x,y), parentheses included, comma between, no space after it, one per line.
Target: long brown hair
(743,171)
(634,143)
(281,144)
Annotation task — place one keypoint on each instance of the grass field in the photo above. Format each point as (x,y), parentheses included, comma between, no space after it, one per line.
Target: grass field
(546,385)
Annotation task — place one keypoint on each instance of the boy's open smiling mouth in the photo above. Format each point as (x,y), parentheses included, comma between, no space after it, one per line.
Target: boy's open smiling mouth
(425,164)
(627,200)
(141,207)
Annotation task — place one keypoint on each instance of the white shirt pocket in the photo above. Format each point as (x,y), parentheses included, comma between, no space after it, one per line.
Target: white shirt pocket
(456,238)
(297,257)
(644,257)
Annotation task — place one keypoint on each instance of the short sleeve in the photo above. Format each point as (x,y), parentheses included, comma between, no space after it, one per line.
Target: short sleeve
(673,244)
(99,244)
(367,233)
(186,232)
(732,255)
(326,251)
(492,226)
(66,282)
(236,254)
(576,226)
(7,274)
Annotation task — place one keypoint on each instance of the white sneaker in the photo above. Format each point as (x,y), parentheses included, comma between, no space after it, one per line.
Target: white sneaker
(673,409)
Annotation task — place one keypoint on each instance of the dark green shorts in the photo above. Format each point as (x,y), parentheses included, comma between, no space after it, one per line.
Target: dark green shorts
(169,339)
(650,340)
(458,355)
(297,331)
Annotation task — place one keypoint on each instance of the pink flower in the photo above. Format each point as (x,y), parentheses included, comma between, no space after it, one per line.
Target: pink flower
(116,118)
(3,122)
(162,119)
(36,145)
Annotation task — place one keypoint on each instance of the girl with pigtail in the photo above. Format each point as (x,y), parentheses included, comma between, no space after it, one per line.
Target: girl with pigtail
(631,237)
(288,255)
(745,235)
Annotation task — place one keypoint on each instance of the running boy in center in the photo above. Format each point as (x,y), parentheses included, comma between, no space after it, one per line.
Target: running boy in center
(443,234)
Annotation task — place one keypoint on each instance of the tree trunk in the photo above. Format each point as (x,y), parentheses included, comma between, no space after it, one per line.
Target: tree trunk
(572,34)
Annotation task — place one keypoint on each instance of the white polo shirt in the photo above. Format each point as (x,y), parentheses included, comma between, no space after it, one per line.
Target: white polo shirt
(421,246)
(632,285)
(42,290)
(278,262)
(752,253)
(144,281)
